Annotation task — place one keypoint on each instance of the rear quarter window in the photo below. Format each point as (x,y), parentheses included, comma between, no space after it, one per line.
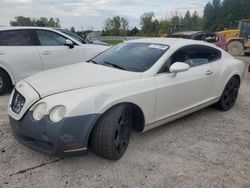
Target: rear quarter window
(203,52)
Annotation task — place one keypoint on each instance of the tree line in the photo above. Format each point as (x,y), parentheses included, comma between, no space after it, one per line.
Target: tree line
(150,25)
(225,14)
(218,15)
(40,22)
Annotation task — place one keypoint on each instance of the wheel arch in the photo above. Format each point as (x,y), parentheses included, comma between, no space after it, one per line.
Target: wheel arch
(235,74)
(220,104)
(229,68)
(139,118)
(11,77)
(138,121)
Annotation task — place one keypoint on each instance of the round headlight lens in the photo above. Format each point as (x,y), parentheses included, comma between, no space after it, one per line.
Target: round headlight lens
(57,113)
(39,111)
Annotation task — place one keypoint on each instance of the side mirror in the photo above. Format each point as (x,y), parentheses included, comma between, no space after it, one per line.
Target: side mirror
(69,43)
(179,67)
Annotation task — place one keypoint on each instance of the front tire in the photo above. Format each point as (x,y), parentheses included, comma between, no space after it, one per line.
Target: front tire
(229,95)
(110,137)
(5,82)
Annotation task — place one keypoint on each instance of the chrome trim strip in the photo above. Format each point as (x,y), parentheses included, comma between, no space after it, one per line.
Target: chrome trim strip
(75,150)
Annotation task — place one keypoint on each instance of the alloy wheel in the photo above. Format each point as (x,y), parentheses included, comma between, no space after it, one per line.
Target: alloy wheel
(230,93)
(122,132)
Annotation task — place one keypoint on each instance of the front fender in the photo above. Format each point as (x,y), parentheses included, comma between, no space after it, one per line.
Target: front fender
(98,99)
(142,93)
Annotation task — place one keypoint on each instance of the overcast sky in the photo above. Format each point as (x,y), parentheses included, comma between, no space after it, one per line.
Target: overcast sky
(92,13)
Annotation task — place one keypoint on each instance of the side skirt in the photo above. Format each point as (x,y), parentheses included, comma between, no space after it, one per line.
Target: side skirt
(179,115)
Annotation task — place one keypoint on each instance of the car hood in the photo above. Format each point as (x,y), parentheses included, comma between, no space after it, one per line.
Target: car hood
(77,76)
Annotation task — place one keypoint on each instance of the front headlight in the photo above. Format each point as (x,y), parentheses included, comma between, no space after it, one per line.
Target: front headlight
(39,111)
(57,113)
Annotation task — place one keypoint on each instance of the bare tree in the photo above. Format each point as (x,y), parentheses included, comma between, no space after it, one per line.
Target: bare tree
(116,26)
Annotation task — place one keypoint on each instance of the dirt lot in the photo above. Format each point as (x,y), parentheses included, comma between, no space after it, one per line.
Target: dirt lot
(206,149)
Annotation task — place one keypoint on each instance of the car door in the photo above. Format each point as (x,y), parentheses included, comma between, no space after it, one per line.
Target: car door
(53,51)
(182,91)
(19,54)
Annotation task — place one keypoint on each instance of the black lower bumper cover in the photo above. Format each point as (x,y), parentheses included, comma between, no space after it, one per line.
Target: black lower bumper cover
(70,134)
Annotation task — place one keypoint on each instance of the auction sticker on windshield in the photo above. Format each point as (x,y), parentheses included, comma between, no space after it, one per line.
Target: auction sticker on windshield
(159,46)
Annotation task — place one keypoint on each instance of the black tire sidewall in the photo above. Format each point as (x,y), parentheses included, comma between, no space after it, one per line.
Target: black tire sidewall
(102,141)
(6,82)
(124,109)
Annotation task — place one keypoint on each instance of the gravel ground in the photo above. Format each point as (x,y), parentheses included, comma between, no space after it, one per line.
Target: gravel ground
(206,149)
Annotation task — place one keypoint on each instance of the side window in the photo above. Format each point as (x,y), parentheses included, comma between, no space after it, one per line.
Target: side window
(193,55)
(49,38)
(16,38)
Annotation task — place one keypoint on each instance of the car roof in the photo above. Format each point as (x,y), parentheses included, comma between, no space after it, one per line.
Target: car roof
(172,42)
(191,33)
(186,33)
(245,20)
(25,27)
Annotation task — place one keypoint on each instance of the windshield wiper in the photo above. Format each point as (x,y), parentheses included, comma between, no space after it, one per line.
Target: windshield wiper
(114,65)
(92,61)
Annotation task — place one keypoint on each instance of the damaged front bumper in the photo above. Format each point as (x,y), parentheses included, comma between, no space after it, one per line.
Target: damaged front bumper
(67,136)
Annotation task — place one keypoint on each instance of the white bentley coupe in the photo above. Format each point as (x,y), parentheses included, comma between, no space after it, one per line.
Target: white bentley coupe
(136,85)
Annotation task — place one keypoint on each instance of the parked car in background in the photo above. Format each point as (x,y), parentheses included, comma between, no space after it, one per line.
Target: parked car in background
(138,85)
(96,41)
(82,40)
(27,50)
(210,37)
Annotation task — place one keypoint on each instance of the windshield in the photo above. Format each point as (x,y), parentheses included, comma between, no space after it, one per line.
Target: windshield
(136,57)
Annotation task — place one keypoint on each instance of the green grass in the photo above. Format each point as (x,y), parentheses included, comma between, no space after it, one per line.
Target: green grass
(112,42)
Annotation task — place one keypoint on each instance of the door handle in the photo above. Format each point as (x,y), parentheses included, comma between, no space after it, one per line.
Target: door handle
(209,72)
(46,53)
(2,53)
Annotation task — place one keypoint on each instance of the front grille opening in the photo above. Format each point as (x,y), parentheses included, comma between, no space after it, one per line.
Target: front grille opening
(25,138)
(17,102)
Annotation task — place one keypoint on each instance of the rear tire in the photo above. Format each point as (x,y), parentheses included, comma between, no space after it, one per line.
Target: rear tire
(110,137)
(235,48)
(229,95)
(5,82)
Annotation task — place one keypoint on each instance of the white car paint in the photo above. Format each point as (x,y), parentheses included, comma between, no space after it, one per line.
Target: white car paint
(93,89)
(23,61)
